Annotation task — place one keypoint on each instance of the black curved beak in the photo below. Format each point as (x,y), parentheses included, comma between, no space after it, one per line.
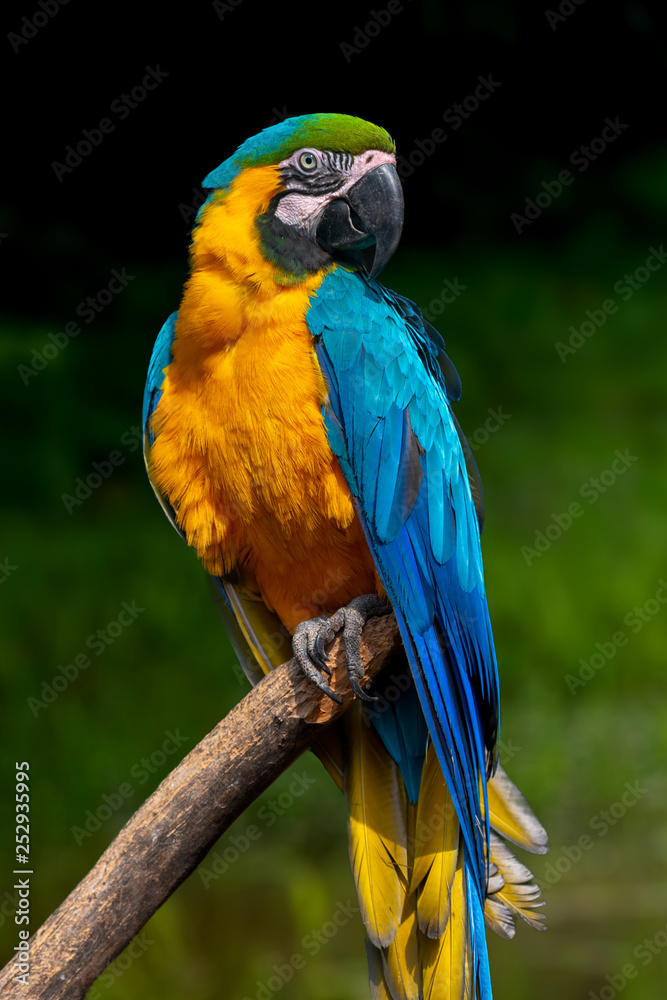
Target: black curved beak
(371,213)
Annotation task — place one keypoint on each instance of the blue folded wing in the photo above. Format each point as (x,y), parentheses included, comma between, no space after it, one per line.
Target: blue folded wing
(160,359)
(390,425)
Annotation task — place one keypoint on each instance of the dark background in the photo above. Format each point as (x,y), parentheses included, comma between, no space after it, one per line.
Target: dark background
(69,566)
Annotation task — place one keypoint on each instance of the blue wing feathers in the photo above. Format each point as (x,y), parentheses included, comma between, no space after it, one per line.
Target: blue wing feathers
(389,474)
(160,358)
(402,727)
(422,526)
(480,955)
(373,452)
(374,379)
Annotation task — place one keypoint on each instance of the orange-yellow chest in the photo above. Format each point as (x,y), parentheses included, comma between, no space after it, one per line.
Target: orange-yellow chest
(241,448)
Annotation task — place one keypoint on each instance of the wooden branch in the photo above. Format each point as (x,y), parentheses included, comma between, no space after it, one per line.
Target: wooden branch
(174,829)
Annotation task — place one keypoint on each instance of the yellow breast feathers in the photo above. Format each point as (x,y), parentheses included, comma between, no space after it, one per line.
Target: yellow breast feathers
(241,449)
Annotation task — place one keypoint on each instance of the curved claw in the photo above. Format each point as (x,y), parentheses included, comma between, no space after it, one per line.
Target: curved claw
(319,682)
(327,633)
(316,639)
(320,661)
(305,652)
(359,691)
(320,654)
(310,638)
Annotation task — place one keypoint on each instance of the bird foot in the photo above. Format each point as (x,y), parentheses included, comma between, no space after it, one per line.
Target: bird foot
(310,638)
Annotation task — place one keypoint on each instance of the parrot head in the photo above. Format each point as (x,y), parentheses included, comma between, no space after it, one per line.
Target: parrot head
(327,188)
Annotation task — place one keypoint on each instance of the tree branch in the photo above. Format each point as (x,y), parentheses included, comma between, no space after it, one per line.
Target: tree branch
(174,829)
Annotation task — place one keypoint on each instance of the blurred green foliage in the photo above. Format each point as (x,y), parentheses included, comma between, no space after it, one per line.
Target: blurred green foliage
(171,669)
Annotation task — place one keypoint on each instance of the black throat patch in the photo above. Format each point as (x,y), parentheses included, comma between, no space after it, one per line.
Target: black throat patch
(295,255)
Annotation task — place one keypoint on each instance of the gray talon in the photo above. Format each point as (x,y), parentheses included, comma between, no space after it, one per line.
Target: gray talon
(327,634)
(311,637)
(303,642)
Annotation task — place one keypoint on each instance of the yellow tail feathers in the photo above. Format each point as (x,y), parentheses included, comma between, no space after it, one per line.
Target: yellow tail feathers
(516,894)
(408,865)
(435,849)
(511,816)
(407,860)
(377,831)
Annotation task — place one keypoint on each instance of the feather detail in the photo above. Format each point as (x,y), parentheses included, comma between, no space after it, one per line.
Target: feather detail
(269,641)
(436,848)
(495,880)
(510,814)
(377,833)
(447,971)
(401,959)
(498,918)
(329,750)
(519,894)
(378,984)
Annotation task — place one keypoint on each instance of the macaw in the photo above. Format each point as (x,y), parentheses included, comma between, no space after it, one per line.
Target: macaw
(299,434)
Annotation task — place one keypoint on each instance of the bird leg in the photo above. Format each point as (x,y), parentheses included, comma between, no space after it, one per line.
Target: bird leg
(310,638)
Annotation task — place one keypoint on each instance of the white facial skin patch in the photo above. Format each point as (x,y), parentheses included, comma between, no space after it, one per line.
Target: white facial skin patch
(302,210)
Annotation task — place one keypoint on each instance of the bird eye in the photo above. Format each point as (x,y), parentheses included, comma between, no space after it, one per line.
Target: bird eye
(307,161)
